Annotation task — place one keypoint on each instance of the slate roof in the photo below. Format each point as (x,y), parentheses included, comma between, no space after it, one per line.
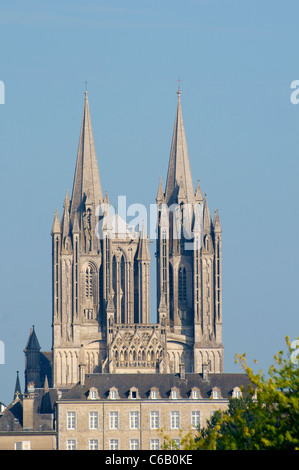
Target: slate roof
(12,418)
(164,382)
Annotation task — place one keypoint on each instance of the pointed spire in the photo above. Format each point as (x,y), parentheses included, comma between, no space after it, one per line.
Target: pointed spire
(32,342)
(179,166)
(207,224)
(66,216)
(106,198)
(46,384)
(17,392)
(216,223)
(87,179)
(143,250)
(56,225)
(160,195)
(198,194)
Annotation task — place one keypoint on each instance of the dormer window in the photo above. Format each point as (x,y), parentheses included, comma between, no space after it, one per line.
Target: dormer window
(154,394)
(216,395)
(134,394)
(93,394)
(174,395)
(237,392)
(113,394)
(195,394)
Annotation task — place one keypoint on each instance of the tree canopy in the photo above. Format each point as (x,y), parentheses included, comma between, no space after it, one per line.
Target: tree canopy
(266,417)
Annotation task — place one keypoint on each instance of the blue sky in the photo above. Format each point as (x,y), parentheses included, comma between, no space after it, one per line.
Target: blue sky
(236,61)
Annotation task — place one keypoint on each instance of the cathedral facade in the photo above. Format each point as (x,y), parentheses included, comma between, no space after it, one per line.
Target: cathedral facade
(101,276)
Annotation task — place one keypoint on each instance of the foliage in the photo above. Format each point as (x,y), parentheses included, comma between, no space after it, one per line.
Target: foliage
(265,418)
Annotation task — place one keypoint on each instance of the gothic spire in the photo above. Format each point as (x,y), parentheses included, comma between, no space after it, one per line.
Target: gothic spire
(32,342)
(143,249)
(87,179)
(179,171)
(56,225)
(216,223)
(18,392)
(207,224)
(160,195)
(65,223)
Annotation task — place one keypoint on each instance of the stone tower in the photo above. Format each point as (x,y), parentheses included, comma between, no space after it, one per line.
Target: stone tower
(100,272)
(188,264)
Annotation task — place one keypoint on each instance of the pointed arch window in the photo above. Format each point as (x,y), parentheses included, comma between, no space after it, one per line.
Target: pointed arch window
(114,276)
(88,283)
(123,288)
(182,282)
(164,261)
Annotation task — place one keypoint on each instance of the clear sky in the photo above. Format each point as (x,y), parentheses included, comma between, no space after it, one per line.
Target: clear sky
(236,60)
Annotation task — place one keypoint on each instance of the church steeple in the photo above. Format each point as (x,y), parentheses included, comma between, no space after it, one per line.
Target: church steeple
(179,172)
(87,183)
(18,391)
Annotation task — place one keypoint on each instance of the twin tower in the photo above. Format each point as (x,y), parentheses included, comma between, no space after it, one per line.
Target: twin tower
(101,277)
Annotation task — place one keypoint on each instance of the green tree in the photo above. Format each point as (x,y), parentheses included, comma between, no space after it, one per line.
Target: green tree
(265,417)
(268,415)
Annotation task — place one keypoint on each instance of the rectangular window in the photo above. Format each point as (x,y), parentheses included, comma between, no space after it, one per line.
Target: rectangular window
(195,394)
(93,395)
(175,420)
(154,444)
(113,394)
(113,444)
(195,419)
(154,419)
(134,444)
(154,394)
(134,419)
(93,420)
(71,420)
(113,420)
(71,444)
(93,444)
(175,394)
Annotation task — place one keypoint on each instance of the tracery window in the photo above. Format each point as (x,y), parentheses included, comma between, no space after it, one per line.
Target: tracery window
(182,285)
(88,282)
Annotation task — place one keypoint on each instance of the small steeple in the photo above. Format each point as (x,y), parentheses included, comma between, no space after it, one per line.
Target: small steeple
(198,194)
(160,195)
(216,223)
(143,250)
(56,225)
(87,179)
(32,342)
(66,217)
(106,198)
(46,385)
(179,171)
(207,224)
(18,391)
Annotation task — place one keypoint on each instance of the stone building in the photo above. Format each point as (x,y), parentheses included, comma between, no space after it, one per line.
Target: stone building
(115,378)
(101,301)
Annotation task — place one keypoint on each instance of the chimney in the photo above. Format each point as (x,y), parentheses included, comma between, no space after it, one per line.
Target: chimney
(205,371)
(28,407)
(82,374)
(182,371)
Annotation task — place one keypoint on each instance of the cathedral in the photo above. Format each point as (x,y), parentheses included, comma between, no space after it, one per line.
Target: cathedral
(101,281)
(113,378)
